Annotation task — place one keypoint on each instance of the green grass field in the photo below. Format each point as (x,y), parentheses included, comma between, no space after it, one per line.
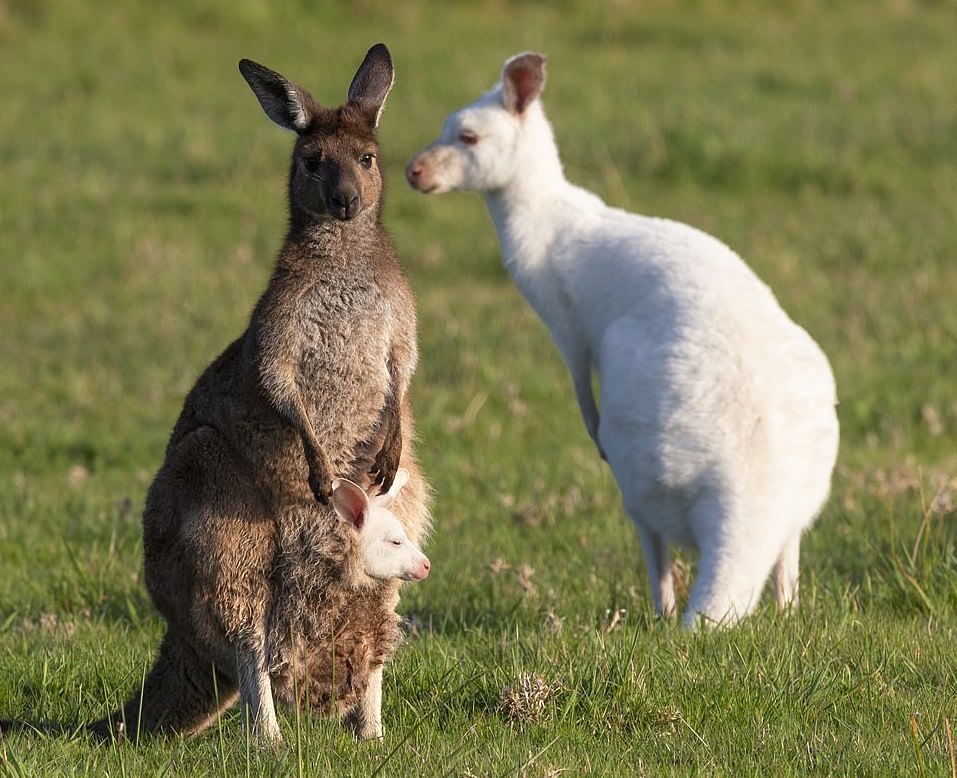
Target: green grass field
(141,204)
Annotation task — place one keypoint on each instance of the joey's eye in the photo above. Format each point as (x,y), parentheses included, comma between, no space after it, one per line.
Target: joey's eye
(396,542)
(366,160)
(468,137)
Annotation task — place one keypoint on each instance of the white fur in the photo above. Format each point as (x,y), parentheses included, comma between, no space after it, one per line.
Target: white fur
(297,111)
(385,548)
(717,411)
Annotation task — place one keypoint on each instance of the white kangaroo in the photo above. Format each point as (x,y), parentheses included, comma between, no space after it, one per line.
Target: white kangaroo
(717,411)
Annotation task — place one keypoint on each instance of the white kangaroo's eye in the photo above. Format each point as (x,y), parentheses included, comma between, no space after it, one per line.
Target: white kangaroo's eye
(396,542)
(468,137)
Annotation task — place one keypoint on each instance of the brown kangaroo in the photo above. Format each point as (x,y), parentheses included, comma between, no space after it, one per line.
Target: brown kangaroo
(261,585)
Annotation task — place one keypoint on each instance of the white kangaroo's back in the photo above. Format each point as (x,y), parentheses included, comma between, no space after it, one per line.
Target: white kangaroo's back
(717,411)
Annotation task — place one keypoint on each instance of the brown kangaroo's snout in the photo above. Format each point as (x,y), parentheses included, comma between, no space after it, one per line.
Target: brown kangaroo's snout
(344,200)
(331,183)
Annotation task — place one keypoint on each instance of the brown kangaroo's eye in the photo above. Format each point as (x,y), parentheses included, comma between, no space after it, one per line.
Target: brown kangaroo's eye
(366,160)
(468,137)
(311,164)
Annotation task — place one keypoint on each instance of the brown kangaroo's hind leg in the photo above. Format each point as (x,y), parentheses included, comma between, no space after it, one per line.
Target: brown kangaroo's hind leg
(181,695)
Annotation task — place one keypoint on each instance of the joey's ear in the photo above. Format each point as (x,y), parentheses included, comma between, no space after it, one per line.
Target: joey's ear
(523,80)
(350,502)
(384,500)
(285,103)
(373,81)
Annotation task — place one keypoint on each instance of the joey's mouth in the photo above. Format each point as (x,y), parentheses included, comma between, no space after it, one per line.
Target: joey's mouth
(418,574)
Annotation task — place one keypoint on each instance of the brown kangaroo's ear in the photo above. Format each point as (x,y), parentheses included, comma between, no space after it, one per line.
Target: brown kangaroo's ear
(523,80)
(350,502)
(285,103)
(373,81)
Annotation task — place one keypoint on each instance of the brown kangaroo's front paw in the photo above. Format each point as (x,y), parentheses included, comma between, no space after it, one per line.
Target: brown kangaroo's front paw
(321,486)
(383,471)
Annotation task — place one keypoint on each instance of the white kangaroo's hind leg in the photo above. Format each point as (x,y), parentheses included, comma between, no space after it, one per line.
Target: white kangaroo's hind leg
(786,573)
(733,564)
(730,577)
(255,695)
(719,596)
(658,562)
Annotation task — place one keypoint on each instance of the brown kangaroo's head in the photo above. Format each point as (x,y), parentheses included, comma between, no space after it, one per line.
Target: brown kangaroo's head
(335,162)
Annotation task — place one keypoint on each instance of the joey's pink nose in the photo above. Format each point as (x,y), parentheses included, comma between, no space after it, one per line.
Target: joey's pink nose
(423,569)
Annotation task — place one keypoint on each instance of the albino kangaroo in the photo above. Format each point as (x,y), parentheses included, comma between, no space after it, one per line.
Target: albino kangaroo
(263,590)
(717,411)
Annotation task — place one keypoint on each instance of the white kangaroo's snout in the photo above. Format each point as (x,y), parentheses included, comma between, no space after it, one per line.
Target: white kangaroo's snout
(417,174)
(429,171)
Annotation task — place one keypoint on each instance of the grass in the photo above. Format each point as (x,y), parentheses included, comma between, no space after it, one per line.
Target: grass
(141,203)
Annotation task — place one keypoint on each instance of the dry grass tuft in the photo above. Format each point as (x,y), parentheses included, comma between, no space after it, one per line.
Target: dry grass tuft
(525,701)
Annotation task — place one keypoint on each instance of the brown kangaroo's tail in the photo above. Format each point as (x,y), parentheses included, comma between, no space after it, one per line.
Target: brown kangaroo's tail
(42,727)
(182,695)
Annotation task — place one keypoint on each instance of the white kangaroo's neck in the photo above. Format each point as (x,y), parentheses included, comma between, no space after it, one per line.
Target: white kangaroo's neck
(526,210)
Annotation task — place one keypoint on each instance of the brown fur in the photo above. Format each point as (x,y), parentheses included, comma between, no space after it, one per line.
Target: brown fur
(258,580)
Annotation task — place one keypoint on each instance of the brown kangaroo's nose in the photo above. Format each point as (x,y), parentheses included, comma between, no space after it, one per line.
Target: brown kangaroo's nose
(346,204)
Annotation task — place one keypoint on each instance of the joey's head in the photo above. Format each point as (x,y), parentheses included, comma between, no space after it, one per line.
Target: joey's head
(488,143)
(386,550)
(335,171)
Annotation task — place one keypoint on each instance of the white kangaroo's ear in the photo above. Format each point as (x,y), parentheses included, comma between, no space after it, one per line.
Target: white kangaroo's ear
(401,477)
(286,104)
(350,502)
(523,80)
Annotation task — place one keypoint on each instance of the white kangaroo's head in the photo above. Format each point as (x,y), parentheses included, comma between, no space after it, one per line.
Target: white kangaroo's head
(482,146)
(385,548)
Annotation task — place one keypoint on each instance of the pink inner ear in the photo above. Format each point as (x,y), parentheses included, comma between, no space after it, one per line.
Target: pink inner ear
(350,503)
(526,79)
